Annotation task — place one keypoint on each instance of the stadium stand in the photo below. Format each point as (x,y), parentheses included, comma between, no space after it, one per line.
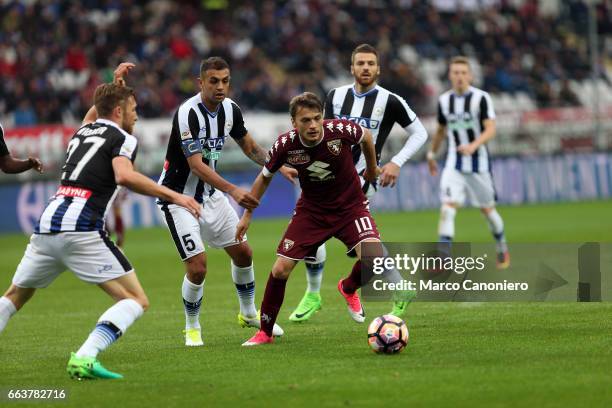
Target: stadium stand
(531,56)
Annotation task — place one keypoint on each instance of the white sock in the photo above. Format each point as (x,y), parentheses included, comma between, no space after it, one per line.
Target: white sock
(314,270)
(314,276)
(7,309)
(446,226)
(192,300)
(111,325)
(496,225)
(244,279)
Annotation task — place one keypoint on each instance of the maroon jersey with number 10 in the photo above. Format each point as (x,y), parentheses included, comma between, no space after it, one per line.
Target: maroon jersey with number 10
(326,171)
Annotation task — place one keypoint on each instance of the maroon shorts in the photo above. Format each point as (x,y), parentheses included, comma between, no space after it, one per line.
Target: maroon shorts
(309,230)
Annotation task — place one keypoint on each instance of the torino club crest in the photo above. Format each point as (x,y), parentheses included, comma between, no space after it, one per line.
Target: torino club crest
(335,146)
(287,244)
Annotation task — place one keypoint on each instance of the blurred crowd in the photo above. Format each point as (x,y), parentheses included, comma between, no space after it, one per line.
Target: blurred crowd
(54,52)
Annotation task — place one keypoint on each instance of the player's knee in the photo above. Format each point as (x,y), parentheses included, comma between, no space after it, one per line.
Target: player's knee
(196,271)
(280,271)
(244,257)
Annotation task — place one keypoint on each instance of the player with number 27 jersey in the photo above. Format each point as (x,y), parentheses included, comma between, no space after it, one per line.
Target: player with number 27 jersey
(84,197)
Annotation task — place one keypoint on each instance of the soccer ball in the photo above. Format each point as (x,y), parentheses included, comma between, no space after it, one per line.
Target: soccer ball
(387,334)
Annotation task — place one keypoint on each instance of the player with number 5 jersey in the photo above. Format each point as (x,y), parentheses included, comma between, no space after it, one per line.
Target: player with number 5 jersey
(201,126)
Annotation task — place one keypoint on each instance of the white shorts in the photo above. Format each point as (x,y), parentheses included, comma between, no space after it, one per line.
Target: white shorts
(455,185)
(92,256)
(216,225)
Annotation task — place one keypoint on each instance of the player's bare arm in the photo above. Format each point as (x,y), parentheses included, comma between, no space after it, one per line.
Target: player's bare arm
(125,175)
(487,134)
(208,175)
(11,165)
(367,146)
(260,185)
(435,145)
(256,153)
(118,78)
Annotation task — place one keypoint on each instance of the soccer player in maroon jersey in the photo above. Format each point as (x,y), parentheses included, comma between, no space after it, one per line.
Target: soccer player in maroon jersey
(332,203)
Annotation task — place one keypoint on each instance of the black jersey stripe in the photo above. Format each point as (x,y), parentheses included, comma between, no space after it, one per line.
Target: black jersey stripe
(329,106)
(347,104)
(470,132)
(368,104)
(451,110)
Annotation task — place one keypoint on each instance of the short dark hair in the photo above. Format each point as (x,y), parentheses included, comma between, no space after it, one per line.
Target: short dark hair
(305,100)
(108,96)
(364,48)
(216,63)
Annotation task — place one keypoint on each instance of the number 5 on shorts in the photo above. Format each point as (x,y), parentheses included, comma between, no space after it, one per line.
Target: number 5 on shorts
(188,242)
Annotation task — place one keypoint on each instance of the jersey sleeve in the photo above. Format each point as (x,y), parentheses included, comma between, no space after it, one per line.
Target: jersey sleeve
(3,148)
(402,114)
(238,129)
(441,117)
(486,107)
(277,156)
(188,130)
(350,131)
(124,145)
(329,105)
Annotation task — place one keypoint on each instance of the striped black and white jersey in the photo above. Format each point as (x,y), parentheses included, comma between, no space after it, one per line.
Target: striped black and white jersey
(197,130)
(3,149)
(464,116)
(87,186)
(377,110)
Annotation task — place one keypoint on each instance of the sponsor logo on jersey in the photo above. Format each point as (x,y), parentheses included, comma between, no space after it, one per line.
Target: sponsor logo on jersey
(87,131)
(68,191)
(335,146)
(214,143)
(299,158)
(318,171)
(461,121)
(364,122)
(208,155)
(287,244)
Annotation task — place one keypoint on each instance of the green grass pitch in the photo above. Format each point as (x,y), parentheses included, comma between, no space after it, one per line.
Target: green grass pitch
(492,354)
